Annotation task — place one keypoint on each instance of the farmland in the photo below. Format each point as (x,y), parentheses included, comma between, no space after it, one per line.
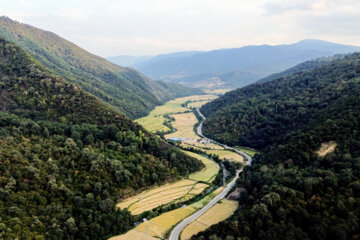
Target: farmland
(217,213)
(154,121)
(215,149)
(159,226)
(178,191)
(184,123)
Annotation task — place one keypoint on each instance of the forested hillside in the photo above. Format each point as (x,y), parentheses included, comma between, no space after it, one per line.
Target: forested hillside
(128,90)
(261,114)
(306,182)
(308,65)
(66,157)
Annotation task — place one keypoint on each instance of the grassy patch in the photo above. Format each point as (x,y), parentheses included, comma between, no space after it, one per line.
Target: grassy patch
(250,152)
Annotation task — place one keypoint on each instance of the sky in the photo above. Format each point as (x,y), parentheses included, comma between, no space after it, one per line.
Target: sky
(149,27)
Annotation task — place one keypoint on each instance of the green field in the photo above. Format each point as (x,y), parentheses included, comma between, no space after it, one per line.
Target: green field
(250,152)
(154,121)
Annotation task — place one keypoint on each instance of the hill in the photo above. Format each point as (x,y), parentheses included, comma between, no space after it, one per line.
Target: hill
(263,113)
(305,182)
(237,67)
(127,60)
(66,157)
(128,90)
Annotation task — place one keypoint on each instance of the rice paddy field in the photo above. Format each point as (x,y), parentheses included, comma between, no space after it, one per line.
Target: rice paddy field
(216,149)
(219,212)
(173,192)
(158,227)
(154,121)
(210,171)
(180,191)
(184,123)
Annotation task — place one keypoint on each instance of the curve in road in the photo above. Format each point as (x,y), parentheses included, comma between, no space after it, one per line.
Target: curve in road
(175,233)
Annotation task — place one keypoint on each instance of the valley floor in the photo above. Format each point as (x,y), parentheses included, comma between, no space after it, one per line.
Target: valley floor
(183,120)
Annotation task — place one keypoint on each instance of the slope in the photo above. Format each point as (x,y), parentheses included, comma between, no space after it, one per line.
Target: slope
(296,193)
(128,90)
(65,156)
(262,113)
(237,67)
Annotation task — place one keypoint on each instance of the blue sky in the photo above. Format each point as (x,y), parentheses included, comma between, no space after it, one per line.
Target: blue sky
(147,27)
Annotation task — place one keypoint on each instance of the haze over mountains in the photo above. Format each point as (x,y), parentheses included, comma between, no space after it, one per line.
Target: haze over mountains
(128,90)
(305,183)
(236,67)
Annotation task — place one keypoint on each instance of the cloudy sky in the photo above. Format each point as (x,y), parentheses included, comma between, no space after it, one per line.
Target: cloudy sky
(147,27)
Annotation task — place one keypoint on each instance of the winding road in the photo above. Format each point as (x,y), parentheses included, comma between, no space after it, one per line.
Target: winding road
(175,233)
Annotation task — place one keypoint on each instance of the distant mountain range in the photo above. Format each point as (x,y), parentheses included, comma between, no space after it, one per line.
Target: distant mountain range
(236,67)
(131,92)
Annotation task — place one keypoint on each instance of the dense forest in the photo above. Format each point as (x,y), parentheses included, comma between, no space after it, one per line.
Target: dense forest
(66,157)
(295,190)
(128,90)
(262,113)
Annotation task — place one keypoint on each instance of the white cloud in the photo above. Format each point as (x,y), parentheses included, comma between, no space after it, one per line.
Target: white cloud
(110,27)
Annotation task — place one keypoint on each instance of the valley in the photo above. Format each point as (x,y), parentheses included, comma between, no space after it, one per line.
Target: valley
(182,122)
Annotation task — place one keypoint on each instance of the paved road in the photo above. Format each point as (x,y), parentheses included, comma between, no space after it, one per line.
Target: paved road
(175,233)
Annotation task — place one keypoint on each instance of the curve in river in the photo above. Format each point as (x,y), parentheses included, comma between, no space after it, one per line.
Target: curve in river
(175,233)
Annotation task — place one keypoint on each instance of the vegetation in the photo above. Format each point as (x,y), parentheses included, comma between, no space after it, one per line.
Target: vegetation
(236,67)
(261,114)
(157,120)
(179,191)
(304,184)
(65,157)
(128,90)
(219,212)
(160,226)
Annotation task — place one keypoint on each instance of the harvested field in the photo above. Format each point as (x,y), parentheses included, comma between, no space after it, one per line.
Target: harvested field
(208,173)
(179,191)
(184,123)
(154,121)
(216,214)
(159,226)
(161,195)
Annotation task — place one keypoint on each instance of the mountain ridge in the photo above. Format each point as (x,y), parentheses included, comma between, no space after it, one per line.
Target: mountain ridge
(130,91)
(237,67)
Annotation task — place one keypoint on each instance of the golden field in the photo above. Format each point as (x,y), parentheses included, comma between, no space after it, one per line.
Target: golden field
(219,212)
(178,191)
(154,121)
(159,226)
(184,123)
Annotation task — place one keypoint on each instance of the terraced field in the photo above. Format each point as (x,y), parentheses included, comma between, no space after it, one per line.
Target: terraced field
(173,192)
(217,150)
(216,214)
(159,226)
